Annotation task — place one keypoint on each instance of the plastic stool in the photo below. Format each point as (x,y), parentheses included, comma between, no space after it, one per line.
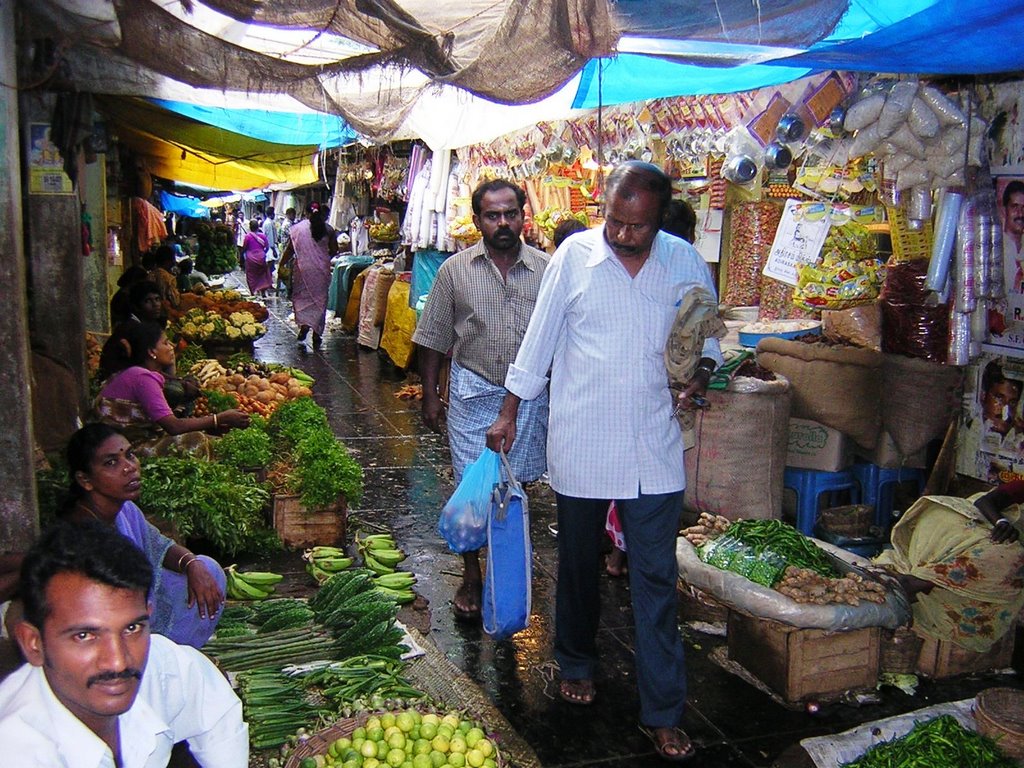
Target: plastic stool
(876,487)
(809,484)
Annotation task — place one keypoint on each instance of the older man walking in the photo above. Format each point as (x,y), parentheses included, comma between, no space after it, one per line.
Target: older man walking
(604,313)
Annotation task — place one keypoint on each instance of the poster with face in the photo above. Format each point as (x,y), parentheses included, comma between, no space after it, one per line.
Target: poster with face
(1006,319)
(991,446)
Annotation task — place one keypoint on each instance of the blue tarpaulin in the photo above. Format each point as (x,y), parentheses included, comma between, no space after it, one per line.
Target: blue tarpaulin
(183,205)
(298,128)
(913,36)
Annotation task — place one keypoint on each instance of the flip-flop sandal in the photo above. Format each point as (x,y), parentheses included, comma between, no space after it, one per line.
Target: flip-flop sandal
(677,738)
(578,692)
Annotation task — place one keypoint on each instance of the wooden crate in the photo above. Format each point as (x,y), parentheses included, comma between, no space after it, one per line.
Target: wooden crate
(299,527)
(802,663)
(941,658)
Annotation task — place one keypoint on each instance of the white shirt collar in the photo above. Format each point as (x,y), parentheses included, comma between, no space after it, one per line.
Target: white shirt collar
(82,748)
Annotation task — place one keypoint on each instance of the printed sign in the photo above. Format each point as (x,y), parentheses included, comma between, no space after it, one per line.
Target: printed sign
(46,169)
(798,239)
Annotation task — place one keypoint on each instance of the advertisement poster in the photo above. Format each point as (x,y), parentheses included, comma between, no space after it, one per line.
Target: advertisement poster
(1006,319)
(46,169)
(991,445)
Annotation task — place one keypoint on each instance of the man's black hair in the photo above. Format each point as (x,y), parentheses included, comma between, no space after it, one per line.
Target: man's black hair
(140,290)
(566,228)
(496,185)
(993,374)
(93,549)
(1015,187)
(164,255)
(634,175)
(680,220)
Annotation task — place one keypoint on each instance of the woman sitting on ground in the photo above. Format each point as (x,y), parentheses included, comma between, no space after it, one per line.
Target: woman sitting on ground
(133,399)
(962,565)
(188,589)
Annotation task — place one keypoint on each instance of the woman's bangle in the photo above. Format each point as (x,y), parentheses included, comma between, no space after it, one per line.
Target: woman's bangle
(194,559)
(1002,520)
(215,421)
(182,565)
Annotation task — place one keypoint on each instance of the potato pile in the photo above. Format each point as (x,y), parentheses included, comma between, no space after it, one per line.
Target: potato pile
(255,389)
(806,586)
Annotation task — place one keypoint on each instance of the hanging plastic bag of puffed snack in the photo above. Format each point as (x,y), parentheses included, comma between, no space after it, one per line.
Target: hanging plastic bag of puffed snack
(463,522)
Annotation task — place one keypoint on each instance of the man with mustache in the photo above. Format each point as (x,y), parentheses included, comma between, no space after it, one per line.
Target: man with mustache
(1011,310)
(603,316)
(479,307)
(98,689)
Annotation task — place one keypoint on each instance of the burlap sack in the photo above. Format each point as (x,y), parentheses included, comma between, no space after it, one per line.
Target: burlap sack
(918,398)
(837,386)
(736,468)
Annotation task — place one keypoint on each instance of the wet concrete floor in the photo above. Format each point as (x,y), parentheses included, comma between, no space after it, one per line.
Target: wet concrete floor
(407,479)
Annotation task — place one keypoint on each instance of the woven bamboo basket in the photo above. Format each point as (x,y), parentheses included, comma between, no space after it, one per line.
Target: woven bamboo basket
(999,714)
(898,651)
(320,742)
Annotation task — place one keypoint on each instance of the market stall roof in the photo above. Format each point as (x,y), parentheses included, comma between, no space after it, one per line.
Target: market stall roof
(399,68)
(186,150)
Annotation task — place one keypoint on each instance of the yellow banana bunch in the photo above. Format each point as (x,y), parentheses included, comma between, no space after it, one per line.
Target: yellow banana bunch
(322,562)
(250,585)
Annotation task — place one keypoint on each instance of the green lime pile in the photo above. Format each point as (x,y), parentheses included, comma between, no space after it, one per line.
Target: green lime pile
(411,739)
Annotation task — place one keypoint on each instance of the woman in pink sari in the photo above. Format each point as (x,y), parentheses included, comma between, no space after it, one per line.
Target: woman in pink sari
(311,243)
(254,248)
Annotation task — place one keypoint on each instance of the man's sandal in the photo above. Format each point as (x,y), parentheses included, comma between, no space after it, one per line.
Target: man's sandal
(671,744)
(579,692)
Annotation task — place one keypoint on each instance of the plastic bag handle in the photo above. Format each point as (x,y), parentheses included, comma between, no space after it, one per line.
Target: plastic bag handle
(503,491)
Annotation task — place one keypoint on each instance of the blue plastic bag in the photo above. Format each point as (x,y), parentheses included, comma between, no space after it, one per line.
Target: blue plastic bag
(463,522)
(507,594)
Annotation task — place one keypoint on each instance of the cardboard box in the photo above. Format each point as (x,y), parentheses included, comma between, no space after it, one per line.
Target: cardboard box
(814,446)
(941,658)
(799,664)
(888,456)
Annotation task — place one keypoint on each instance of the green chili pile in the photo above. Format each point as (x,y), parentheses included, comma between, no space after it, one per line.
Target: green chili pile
(761,550)
(938,743)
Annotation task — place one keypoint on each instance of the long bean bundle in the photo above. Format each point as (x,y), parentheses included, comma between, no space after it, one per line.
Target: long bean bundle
(938,743)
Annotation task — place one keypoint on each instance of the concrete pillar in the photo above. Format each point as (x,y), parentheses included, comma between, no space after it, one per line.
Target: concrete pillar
(19,517)
(55,264)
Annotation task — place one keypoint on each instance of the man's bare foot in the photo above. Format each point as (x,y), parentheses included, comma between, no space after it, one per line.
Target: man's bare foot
(579,692)
(466,603)
(615,563)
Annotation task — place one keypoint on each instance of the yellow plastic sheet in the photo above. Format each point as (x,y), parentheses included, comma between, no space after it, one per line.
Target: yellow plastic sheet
(399,324)
(351,320)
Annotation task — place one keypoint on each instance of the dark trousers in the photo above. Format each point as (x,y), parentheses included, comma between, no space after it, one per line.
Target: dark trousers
(649,524)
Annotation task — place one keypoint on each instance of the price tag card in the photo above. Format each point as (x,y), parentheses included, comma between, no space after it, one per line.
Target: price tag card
(798,239)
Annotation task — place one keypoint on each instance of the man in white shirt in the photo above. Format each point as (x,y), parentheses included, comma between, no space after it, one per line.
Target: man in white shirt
(98,691)
(603,316)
